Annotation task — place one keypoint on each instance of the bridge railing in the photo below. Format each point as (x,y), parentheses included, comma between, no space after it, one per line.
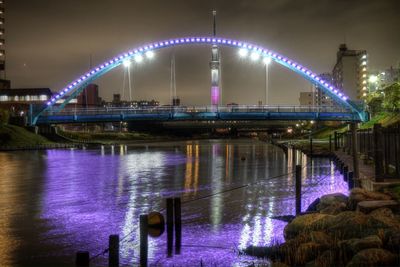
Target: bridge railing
(195,109)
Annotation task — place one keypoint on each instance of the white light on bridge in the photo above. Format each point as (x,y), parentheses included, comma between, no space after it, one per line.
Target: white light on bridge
(138,58)
(254,56)
(267,60)
(149,54)
(126,63)
(243,52)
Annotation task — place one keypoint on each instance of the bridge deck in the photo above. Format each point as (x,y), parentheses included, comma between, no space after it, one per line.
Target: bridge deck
(197,114)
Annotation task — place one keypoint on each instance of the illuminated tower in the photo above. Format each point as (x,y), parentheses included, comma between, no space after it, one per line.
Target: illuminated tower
(215,69)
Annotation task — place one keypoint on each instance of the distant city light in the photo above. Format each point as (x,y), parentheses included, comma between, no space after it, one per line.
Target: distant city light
(267,60)
(126,63)
(138,58)
(373,78)
(254,56)
(243,52)
(149,54)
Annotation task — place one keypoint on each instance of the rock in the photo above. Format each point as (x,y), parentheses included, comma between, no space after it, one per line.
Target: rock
(355,245)
(331,199)
(382,212)
(373,257)
(326,259)
(378,220)
(313,206)
(300,224)
(392,240)
(278,264)
(307,252)
(358,195)
(346,225)
(370,205)
(335,208)
(321,238)
(262,252)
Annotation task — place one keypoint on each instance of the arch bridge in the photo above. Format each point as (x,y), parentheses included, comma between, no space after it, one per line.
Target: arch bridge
(53,113)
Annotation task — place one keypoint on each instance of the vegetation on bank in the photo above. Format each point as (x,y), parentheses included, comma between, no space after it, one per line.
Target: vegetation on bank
(15,136)
(359,230)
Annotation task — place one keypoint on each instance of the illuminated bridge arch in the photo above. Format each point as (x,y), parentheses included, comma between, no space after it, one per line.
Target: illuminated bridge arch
(76,86)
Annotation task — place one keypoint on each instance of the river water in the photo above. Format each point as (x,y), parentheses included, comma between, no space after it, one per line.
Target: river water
(56,202)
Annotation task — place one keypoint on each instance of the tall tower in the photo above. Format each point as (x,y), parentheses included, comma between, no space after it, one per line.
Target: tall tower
(215,69)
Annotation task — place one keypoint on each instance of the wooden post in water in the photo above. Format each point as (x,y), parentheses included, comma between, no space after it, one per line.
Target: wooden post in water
(345,173)
(293,157)
(113,251)
(356,169)
(330,143)
(170,226)
(178,225)
(82,259)
(298,189)
(311,146)
(144,231)
(378,157)
(350,181)
(336,140)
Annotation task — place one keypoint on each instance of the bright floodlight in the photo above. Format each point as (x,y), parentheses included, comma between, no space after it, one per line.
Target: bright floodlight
(243,52)
(126,63)
(149,54)
(138,58)
(373,79)
(254,56)
(267,60)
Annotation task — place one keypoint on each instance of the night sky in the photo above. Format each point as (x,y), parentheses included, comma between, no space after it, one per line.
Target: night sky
(49,42)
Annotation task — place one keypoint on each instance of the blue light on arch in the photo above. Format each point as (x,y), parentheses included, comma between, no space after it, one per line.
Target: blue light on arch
(76,86)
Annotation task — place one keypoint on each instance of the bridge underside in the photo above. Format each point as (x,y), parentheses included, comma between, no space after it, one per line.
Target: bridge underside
(198,116)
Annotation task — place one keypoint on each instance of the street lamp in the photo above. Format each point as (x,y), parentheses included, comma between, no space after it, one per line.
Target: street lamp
(127,63)
(266,61)
(373,78)
(243,52)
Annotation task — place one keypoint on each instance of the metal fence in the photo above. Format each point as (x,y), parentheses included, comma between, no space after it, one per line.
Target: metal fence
(380,145)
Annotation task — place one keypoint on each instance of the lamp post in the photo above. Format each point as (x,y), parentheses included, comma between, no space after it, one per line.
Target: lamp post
(267,61)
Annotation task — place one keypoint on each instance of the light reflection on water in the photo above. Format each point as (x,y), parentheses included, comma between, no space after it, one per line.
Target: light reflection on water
(56,202)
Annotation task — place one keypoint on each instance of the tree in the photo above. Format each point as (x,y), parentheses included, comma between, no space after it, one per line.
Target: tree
(4,116)
(375,102)
(391,100)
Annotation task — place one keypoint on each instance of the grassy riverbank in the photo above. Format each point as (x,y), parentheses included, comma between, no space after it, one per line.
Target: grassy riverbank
(14,136)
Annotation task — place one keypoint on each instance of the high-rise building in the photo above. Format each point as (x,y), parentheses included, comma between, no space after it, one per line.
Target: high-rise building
(215,69)
(307,98)
(89,96)
(350,73)
(320,97)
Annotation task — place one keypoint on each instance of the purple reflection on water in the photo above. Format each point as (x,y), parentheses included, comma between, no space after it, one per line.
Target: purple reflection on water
(89,195)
